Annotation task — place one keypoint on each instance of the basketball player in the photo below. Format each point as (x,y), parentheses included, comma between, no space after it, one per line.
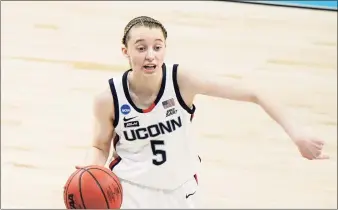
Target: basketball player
(145,114)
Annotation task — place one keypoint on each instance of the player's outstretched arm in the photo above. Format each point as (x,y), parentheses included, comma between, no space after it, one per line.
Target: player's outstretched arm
(103,109)
(191,84)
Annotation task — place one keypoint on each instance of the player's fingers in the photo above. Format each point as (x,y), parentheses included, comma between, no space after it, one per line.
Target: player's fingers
(322,157)
(311,152)
(317,146)
(79,167)
(318,142)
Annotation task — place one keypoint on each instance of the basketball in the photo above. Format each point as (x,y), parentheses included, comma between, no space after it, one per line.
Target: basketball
(93,187)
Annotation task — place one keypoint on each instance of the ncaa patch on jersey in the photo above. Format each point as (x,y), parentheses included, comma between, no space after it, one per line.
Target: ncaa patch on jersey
(125,109)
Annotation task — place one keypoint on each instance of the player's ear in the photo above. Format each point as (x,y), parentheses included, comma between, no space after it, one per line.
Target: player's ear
(125,51)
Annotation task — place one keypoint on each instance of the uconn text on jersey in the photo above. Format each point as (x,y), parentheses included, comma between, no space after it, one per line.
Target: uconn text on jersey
(153,130)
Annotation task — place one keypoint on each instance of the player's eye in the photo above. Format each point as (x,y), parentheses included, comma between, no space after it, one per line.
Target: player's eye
(157,48)
(141,49)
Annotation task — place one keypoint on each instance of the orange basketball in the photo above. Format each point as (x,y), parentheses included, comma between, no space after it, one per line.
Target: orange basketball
(93,187)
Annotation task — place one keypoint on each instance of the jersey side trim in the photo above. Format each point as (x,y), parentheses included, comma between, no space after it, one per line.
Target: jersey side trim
(116,102)
(115,162)
(179,96)
(115,141)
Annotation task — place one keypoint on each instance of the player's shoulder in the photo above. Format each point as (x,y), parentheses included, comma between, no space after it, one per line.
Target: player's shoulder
(190,78)
(103,103)
(103,97)
(182,72)
(116,79)
(180,68)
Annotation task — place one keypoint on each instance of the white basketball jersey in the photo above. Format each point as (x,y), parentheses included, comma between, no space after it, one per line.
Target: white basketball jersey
(154,146)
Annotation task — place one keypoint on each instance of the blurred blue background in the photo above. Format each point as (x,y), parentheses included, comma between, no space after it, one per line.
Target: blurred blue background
(313,4)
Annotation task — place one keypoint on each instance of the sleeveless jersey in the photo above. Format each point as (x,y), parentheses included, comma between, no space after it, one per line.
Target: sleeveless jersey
(154,146)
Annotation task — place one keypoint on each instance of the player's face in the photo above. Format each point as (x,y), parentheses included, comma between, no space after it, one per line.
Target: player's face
(145,49)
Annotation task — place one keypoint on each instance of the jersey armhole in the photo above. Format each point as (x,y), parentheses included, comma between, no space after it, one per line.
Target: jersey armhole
(116,102)
(178,94)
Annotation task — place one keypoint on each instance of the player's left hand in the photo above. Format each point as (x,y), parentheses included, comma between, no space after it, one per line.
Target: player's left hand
(310,147)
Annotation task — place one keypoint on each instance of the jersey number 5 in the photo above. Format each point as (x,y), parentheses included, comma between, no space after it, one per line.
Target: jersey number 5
(158,152)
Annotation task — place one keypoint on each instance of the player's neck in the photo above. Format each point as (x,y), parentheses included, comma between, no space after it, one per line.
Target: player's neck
(145,86)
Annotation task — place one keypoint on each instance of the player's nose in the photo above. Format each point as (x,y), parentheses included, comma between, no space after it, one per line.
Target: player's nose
(150,55)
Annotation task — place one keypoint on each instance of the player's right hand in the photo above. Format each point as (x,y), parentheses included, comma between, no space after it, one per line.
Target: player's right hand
(79,167)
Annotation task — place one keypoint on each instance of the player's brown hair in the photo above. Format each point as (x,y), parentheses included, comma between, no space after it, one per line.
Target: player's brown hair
(142,21)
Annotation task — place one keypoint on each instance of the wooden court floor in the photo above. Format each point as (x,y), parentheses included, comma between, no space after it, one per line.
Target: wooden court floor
(55,56)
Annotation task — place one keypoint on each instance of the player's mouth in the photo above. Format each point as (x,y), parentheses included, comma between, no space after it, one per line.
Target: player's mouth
(149,68)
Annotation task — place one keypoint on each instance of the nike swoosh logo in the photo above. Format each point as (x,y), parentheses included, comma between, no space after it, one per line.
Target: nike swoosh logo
(188,195)
(127,119)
